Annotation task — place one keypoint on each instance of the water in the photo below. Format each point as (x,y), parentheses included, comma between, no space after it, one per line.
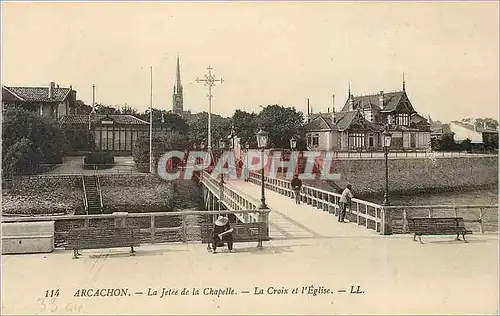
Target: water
(482,196)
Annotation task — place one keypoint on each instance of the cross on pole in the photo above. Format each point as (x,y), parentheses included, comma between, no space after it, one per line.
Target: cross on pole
(210,82)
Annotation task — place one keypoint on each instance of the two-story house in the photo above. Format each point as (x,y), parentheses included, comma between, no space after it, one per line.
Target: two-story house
(51,101)
(362,120)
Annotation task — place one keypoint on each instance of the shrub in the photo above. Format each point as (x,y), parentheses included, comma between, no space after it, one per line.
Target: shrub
(101,160)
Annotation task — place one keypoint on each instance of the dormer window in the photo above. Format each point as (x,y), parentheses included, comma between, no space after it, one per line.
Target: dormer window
(402,119)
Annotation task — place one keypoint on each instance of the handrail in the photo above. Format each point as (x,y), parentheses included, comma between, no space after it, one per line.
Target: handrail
(149,232)
(129,215)
(445,206)
(378,217)
(234,199)
(85,203)
(99,190)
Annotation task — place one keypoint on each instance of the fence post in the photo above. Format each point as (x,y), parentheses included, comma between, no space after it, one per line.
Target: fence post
(481,228)
(153,228)
(184,237)
(386,216)
(405,222)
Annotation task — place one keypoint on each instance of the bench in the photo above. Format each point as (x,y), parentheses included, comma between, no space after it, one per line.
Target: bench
(243,232)
(437,226)
(103,237)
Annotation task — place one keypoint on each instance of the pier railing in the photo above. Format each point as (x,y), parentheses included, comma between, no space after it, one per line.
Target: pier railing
(235,200)
(158,227)
(371,215)
(385,219)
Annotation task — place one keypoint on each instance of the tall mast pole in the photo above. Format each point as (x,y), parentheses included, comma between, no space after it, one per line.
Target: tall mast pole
(151,123)
(210,82)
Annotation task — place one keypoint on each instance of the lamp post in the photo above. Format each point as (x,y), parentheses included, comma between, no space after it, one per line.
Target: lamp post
(221,147)
(293,143)
(247,146)
(387,144)
(262,138)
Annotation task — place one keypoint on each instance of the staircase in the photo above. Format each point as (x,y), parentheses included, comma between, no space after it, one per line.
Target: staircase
(93,194)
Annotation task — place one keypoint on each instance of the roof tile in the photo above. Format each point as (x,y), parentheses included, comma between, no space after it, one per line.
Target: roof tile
(39,94)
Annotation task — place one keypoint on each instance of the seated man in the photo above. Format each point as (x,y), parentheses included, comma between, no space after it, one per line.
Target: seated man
(222,233)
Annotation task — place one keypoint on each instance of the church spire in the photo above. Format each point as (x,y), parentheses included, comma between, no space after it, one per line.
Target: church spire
(178,75)
(177,96)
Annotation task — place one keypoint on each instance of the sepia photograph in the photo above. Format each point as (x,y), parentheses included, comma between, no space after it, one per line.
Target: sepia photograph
(249,157)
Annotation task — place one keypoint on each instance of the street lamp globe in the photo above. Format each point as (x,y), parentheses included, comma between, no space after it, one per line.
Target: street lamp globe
(262,137)
(387,138)
(293,143)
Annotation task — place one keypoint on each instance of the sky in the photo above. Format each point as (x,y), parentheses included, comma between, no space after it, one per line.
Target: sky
(266,52)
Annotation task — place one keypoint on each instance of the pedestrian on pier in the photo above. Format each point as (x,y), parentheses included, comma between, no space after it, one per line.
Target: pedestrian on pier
(223,233)
(296,185)
(345,202)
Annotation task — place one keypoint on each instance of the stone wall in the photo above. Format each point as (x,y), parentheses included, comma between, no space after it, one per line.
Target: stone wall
(406,174)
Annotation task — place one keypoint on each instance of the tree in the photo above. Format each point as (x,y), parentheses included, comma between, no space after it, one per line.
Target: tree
(29,140)
(106,110)
(447,142)
(78,137)
(198,128)
(245,127)
(126,109)
(82,108)
(282,123)
(160,145)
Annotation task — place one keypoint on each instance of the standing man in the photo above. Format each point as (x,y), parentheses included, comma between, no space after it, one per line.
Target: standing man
(296,185)
(345,202)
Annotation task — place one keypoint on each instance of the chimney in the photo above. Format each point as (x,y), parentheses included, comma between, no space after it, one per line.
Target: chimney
(484,125)
(351,102)
(381,99)
(52,85)
(328,110)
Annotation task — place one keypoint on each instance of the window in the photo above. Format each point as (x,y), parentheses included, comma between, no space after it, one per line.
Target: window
(97,137)
(357,140)
(313,140)
(370,141)
(402,119)
(413,140)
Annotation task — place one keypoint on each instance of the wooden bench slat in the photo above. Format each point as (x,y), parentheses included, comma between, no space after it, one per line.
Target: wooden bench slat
(103,237)
(437,226)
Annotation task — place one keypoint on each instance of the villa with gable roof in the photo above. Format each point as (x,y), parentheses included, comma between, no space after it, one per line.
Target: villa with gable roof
(362,120)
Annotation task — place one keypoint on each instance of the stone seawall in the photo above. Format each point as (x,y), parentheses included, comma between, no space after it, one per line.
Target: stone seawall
(409,175)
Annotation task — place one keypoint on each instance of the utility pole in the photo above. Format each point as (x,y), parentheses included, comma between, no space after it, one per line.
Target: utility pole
(93,103)
(210,82)
(151,124)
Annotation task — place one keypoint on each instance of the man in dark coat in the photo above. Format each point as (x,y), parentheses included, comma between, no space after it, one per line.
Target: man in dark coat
(222,233)
(296,185)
